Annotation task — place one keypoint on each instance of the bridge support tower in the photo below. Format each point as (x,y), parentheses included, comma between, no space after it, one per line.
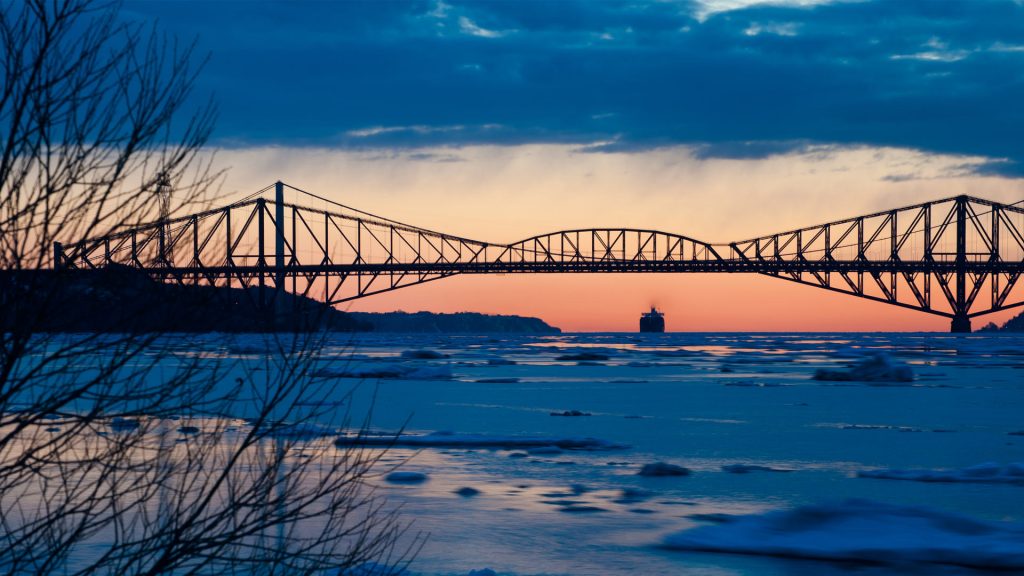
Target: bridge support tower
(961,321)
(961,324)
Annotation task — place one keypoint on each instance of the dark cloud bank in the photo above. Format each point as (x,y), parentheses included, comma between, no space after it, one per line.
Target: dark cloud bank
(940,76)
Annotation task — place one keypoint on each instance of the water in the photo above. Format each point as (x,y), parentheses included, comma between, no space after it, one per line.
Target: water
(702,401)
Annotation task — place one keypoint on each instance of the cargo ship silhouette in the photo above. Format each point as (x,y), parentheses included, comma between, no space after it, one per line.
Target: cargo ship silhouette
(652,321)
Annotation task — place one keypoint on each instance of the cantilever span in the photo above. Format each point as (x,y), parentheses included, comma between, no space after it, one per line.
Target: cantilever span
(957,257)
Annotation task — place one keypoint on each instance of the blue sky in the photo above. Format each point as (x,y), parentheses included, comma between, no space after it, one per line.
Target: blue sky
(732,79)
(716,119)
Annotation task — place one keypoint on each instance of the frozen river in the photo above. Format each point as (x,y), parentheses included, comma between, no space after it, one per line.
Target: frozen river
(809,454)
(706,402)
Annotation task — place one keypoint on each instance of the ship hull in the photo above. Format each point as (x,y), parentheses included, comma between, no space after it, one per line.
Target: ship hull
(652,324)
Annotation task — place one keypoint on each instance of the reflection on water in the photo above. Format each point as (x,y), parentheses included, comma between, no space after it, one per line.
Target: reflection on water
(734,409)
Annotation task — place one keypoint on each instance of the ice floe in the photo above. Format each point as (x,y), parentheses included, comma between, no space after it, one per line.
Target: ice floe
(423,355)
(632,496)
(987,473)
(390,372)
(747,384)
(712,517)
(681,353)
(582,357)
(119,424)
(571,413)
(874,368)
(847,426)
(406,477)
(581,509)
(748,468)
(299,431)
(544,451)
(663,469)
(864,531)
(451,439)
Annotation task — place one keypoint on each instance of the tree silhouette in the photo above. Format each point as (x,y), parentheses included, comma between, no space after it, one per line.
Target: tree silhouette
(99,473)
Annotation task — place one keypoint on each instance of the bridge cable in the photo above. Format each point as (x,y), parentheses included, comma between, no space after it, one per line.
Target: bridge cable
(380,218)
(253,195)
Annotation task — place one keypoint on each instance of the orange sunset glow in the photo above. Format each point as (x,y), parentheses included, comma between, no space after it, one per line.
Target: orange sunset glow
(503,194)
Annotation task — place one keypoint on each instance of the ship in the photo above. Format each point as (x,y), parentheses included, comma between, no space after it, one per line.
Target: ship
(652,321)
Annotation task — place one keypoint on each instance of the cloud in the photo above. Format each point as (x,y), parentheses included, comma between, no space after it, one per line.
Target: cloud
(671,188)
(935,50)
(706,8)
(385,130)
(727,77)
(467,26)
(757,149)
(777,28)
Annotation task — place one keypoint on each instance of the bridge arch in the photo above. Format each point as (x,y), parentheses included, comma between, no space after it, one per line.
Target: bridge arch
(609,245)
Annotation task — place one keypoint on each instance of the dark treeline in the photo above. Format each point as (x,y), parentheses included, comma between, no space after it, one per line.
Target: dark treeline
(1015,324)
(469,322)
(124,299)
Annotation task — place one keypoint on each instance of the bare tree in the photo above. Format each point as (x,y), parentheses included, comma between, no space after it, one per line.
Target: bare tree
(96,116)
(206,493)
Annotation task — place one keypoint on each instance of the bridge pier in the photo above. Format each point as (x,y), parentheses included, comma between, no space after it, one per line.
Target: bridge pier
(961,324)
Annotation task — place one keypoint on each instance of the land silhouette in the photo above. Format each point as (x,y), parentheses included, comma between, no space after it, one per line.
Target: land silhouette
(125,299)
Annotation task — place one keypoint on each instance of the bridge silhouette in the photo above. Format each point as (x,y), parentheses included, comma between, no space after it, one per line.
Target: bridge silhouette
(957,257)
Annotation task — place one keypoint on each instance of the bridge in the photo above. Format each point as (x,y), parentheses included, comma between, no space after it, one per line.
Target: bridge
(957,257)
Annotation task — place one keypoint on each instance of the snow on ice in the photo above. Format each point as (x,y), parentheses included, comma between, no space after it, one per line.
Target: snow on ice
(874,368)
(451,439)
(864,531)
(406,477)
(663,469)
(989,472)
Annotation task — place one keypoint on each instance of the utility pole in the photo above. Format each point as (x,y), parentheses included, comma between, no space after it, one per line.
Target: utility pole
(279,236)
(163,192)
(279,272)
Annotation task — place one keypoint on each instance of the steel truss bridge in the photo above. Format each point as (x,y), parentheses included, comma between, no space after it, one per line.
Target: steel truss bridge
(957,257)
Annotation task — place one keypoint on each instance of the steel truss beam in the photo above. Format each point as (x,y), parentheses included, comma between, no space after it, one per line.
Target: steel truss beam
(968,251)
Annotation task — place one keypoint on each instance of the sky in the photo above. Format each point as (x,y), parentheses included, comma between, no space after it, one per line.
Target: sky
(718,119)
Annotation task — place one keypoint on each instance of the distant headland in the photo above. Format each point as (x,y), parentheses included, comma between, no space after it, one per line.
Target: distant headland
(468,322)
(1015,324)
(124,299)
